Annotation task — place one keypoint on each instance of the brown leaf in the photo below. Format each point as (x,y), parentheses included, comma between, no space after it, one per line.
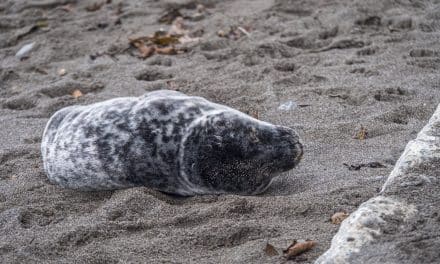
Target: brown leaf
(297,248)
(178,27)
(186,39)
(164,40)
(77,93)
(234,32)
(338,217)
(361,134)
(270,250)
(167,51)
(94,7)
(144,50)
(40,70)
(291,245)
(169,16)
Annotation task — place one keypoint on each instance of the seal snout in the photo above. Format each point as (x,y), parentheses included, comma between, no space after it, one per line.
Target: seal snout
(298,148)
(292,149)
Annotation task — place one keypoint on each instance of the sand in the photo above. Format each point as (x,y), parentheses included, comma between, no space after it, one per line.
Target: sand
(344,65)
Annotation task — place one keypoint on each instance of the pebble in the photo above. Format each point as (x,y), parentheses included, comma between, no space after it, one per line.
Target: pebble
(25,50)
(62,72)
(289,105)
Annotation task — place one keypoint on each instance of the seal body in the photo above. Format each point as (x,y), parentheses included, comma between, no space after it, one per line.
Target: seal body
(167,141)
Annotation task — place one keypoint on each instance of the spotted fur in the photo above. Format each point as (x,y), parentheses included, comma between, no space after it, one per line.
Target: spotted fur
(168,141)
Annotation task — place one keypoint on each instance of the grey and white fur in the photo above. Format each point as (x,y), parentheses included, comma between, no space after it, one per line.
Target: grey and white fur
(167,141)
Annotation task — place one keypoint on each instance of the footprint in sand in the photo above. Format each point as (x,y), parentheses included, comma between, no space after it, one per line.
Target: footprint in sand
(151,74)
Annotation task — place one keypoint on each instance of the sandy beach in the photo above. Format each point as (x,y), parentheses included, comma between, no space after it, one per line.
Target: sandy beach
(356,79)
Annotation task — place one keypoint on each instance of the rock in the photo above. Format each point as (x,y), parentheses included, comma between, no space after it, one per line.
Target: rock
(24,51)
(401,224)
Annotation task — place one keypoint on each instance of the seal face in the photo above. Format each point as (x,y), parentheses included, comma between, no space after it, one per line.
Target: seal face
(168,141)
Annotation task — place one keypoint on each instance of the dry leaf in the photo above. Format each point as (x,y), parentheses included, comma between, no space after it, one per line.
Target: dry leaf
(178,27)
(270,250)
(166,51)
(160,37)
(77,93)
(164,39)
(187,39)
(361,134)
(297,248)
(170,16)
(162,42)
(146,51)
(42,23)
(338,217)
(234,32)
(40,70)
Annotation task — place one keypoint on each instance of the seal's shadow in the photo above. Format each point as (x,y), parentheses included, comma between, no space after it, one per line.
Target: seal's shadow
(175,199)
(285,184)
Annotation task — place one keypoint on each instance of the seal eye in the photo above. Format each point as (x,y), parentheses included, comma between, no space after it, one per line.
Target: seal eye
(253,135)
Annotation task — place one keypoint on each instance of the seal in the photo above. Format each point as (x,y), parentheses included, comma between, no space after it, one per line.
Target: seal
(168,141)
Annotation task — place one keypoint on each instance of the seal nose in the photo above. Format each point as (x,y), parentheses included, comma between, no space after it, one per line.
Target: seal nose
(298,149)
(295,145)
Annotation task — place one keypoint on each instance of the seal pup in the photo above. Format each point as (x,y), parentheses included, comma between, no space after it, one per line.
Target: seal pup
(168,141)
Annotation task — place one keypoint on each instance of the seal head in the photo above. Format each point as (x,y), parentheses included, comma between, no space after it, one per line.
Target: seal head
(229,152)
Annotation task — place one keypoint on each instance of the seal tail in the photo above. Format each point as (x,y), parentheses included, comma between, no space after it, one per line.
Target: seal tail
(50,132)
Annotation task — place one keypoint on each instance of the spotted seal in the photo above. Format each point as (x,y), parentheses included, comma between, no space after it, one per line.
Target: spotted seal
(167,141)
